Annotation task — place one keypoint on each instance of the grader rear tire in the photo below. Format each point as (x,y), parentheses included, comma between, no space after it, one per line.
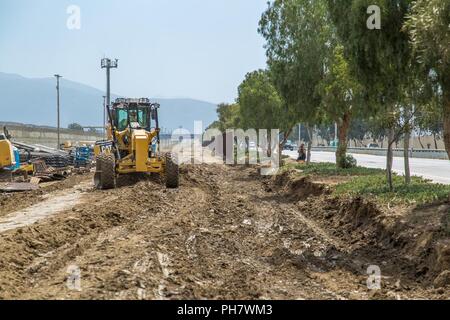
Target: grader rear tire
(105,174)
(172,172)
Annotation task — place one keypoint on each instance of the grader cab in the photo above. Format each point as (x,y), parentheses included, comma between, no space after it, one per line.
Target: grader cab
(133,145)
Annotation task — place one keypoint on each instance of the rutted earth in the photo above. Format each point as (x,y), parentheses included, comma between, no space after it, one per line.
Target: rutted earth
(226,233)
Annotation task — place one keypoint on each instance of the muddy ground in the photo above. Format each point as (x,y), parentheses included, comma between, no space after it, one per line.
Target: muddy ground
(226,233)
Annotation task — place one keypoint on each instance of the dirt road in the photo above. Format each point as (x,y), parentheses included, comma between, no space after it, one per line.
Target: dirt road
(226,233)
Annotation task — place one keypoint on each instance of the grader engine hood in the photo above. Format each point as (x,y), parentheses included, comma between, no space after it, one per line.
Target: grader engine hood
(141,141)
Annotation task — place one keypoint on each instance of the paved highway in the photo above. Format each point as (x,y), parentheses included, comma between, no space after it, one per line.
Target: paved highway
(435,170)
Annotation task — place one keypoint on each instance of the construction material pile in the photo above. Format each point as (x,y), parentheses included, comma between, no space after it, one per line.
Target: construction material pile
(41,164)
(52,157)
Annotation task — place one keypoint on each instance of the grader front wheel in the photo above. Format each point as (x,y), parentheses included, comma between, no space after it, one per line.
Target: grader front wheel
(172,171)
(105,173)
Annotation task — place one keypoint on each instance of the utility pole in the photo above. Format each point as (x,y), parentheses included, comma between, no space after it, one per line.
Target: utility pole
(104,117)
(57,76)
(108,64)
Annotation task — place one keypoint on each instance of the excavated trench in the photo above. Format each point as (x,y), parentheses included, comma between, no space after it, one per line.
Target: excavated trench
(414,240)
(229,233)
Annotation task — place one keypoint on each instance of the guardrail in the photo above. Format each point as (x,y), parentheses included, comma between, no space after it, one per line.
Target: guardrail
(416,153)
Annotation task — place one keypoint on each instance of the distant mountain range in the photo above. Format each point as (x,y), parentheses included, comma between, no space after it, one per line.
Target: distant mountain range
(33,101)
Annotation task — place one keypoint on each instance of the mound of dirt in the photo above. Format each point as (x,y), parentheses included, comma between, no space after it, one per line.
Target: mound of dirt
(416,239)
(293,187)
(423,235)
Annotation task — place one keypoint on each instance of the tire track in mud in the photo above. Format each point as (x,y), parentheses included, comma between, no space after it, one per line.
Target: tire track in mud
(120,260)
(51,204)
(13,202)
(250,219)
(222,235)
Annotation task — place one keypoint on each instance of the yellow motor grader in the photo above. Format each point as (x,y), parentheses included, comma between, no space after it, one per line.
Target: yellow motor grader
(133,145)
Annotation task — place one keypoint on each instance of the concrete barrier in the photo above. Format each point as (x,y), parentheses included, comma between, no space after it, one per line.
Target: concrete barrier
(416,153)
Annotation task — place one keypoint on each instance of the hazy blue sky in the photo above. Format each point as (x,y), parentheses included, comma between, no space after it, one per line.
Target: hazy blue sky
(167,48)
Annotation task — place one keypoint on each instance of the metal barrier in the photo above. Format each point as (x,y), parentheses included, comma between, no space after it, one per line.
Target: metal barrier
(416,153)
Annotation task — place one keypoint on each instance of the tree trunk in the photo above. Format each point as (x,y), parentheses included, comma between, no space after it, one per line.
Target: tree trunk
(406,156)
(341,151)
(390,158)
(308,153)
(285,138)
(446,93)
(435,141)
(420,141)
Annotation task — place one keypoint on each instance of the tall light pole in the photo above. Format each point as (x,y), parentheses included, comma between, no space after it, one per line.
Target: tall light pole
(57,76)
(108,64)
(104,117)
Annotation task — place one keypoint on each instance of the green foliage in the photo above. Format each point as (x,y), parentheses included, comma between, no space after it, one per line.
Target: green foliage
(428,26)
(420,191)
(261,107)
(229,117)
(429,118)
(309,67)
(347,162)
(326,132)
(359,129)
(75,126)
(329,67)
(368,182)
(378,127)
(339,89)
(298,40)
(330,169)
(378,57)
(215,125)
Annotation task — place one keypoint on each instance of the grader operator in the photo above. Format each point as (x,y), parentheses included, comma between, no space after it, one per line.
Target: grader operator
(133,145)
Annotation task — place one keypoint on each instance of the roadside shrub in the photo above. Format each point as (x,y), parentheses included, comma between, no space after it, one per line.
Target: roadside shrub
(347,162)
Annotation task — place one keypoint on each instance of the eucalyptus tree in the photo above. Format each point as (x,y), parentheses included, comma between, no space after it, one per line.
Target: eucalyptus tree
(428,25)
(228,115)
(298,38)
(261,107)
(378,57)
(340,99)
